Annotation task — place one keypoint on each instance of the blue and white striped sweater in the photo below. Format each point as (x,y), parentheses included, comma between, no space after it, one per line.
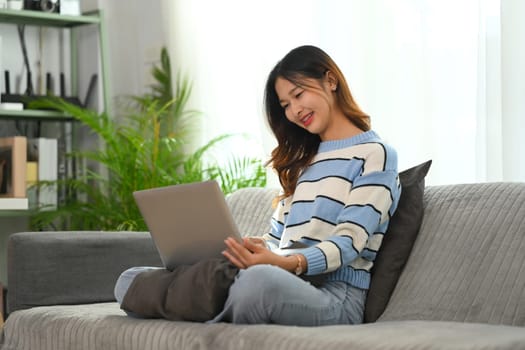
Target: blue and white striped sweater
(341,208)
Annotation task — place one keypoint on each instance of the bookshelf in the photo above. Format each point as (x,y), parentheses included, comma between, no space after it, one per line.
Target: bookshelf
(39,19)
(66,22)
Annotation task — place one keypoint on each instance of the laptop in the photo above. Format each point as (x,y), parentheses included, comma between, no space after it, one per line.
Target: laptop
(187,222)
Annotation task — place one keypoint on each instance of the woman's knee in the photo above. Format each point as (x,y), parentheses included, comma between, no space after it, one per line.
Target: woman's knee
(126,278)
(257,285)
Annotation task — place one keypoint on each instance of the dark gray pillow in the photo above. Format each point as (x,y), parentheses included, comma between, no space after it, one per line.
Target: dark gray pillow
(398,241)
(190,292)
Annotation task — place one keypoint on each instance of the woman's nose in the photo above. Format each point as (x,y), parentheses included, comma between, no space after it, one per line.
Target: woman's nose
(296,109)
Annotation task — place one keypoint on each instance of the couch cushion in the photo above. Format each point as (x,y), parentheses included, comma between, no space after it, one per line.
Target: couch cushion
(104,326)
(398,241)
(468,262)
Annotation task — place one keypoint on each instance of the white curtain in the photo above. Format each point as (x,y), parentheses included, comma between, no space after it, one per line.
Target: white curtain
(441,79)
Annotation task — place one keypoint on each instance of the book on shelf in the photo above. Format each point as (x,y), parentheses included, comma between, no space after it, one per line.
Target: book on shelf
(14,204)
(9,106)
(44,151)
(31,181)
(13,157)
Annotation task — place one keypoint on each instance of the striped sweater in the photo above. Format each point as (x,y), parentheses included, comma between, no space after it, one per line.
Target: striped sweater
(341,208)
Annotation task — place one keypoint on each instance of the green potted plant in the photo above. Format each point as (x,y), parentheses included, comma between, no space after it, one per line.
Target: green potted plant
(148,147)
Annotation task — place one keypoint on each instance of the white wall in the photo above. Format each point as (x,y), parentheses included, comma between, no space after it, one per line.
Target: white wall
(430,73)
(513,88)
(403,65)
(135,37)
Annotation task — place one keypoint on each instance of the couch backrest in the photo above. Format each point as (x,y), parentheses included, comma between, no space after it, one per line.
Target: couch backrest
(252,209)
(468,262)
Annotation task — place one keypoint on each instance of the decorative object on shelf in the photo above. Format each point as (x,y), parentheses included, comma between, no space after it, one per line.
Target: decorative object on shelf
(70,7)
(11,106)
(14,204)
(20,102)
(145,148)
(13,151)
(15,4)
(44,151)
(31,181)
(42,5)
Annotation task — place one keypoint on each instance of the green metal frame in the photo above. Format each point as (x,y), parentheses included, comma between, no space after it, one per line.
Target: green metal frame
(45,19)
(33,114)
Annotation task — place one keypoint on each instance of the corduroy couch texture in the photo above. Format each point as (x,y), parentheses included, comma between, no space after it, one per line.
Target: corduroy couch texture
(463,286)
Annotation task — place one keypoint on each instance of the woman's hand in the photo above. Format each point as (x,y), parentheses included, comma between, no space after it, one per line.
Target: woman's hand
(252,251)
(257,241)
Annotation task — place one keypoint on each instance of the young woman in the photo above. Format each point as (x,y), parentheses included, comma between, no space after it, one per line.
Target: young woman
(339,189)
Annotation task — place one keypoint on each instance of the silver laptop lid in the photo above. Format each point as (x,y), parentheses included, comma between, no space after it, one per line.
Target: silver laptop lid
(187,222)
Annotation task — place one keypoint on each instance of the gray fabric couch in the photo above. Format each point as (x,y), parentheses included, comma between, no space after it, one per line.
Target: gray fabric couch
(463,286)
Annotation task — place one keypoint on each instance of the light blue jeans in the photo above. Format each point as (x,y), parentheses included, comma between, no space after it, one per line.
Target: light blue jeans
(269,294)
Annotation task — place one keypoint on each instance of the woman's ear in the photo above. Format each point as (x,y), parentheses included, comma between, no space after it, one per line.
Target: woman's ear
(331,80)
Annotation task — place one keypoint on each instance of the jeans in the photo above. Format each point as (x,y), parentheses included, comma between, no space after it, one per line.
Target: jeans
(264,294)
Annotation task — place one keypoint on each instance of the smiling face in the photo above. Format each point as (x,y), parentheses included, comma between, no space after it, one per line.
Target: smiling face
(312,106)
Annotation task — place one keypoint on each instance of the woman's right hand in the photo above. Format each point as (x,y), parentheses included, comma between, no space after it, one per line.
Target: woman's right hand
(250,251)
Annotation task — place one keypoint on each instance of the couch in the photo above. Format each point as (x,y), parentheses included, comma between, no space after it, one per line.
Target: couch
(461,284)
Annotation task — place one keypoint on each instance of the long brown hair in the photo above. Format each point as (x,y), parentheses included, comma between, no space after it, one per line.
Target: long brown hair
(296,146)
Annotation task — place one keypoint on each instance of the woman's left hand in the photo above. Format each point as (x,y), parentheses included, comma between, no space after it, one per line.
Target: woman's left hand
(248,253)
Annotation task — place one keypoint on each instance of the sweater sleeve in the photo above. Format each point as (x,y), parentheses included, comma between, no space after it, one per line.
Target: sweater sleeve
(273,238)
(368,206)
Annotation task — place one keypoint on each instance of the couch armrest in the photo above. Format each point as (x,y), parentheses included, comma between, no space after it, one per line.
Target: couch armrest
(48,268)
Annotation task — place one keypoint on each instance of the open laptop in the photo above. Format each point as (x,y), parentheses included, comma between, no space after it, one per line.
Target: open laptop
(188,222)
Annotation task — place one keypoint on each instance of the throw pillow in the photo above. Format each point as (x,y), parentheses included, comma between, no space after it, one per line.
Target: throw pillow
(398,241)
(190,292)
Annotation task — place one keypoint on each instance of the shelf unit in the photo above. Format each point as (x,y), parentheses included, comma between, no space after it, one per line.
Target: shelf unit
(34,114)
(39,19)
